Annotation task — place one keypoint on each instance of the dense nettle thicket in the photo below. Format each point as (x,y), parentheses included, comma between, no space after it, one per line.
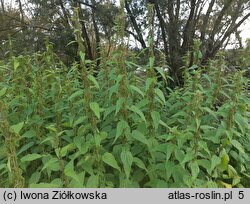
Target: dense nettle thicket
(64,127)
(78,126)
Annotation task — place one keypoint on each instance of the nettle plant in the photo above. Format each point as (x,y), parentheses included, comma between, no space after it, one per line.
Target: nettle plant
(65,127)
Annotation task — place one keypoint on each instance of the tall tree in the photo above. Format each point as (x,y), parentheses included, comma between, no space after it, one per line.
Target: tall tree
(177,23)
(211,21)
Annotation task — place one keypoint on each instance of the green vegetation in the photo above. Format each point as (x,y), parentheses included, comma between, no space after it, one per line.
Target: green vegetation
(64,127)
(121,119)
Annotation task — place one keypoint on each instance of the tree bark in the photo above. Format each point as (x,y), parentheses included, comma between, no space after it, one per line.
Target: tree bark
(174,47)
(65,13)
(219,43)
(87,42)
(135,25)
(21,11)
(2,5)
(163,27)
(97,36)
(189,29)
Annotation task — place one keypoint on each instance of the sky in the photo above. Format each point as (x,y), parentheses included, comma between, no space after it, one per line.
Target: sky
(245,28)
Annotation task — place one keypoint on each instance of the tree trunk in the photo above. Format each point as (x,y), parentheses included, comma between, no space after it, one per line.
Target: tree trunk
(87,43)
(189,29)
(135,25)
(97,36)
(2,5)
(21,11)
(163,27)
(174,47)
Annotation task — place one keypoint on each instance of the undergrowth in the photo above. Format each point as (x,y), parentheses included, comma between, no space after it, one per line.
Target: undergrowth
(65,127)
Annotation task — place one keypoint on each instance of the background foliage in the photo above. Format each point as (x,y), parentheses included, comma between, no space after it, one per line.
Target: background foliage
(176,24)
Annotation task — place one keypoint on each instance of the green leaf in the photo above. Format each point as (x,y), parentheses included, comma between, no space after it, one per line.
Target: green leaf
(161,71)
(238,146)
(52,128)
(35,177)
(226,185)
(224,160)
(80,120)
(79,183)
(170,168)
(149,81)
(160,94)
(95,108)
(210,112)
(109,159)
(66,149)
(207,127)
(75,94)
(127,160)
(81,144)
(161,148)
(121,126)
(207,77)
(25,147)
(69,170)
(200,55)
(198,122)
(194,169)
(16,64)
(167,148)
(3,91)
(112,90)
(93,182)
(215,161)
(82,56)
(137,111)
(136,89)
(108,111)
(220,130)
(170,149)
(203,145)
(52,165)
(17,128)
(232,171)
(139,136)
(29,134)
(163,124)
(206,164)
(2,166)
(241,122)
(30,157)
(119,105)
(156,118)
(92,79)
(99,137)
(179,154)
(139,163)
(71,42)
(188,157)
